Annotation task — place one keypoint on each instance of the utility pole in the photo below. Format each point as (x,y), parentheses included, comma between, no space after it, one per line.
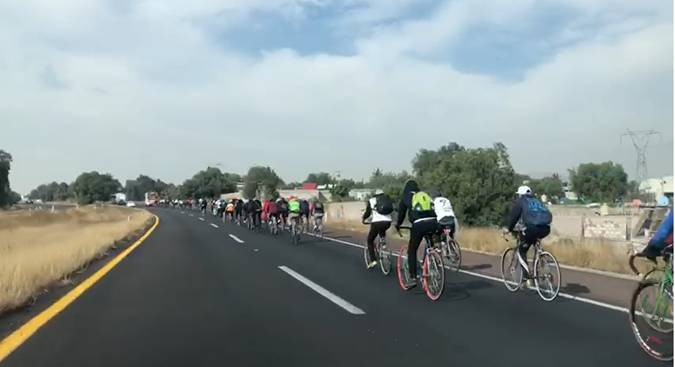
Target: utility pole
(640,140)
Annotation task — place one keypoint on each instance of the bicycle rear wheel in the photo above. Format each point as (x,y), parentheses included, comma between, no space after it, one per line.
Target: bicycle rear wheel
(511,271)
(402,268)
(453,255)
(433,275)
(651,319)
(385,257)
(547,276)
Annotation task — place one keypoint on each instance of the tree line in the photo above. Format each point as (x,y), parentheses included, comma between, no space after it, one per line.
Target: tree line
(479,181)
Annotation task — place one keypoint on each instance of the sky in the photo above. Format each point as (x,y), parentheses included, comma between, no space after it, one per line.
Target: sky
(167,88)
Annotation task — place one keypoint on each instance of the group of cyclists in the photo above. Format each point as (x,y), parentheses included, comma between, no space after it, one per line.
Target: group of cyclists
(255,212)
(428,212)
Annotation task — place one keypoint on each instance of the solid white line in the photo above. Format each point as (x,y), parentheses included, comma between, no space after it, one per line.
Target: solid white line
(324,292)
(561,294)
(213,225)
(202,219)
(235,238)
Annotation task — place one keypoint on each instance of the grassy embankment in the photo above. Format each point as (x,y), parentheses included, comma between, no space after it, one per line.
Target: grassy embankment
(589,254)
(39,249)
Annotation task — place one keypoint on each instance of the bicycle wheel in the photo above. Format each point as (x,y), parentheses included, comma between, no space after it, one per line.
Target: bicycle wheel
(402,268)
(511,271)
(651,318)
(452,254)
(433,275)
(385,257)
(547,276)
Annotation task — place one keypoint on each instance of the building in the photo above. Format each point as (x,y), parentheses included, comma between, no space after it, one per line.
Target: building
(658,187)
(361,194)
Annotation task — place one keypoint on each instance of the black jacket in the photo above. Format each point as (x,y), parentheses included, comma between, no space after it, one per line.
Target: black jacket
(405,206)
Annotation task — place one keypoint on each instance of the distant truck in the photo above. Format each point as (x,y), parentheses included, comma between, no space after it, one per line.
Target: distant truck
(151,198)
(119,198)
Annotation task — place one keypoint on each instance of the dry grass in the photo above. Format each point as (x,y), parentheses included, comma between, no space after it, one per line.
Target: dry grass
(38,249)
(589,254)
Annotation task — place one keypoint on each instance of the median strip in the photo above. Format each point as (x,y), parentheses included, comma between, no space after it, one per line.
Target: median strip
(324,292)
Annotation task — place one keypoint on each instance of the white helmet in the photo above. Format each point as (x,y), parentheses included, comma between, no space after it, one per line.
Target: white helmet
(524,190)
(379,192)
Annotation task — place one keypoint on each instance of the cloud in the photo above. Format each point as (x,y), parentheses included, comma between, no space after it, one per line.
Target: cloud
(156,87)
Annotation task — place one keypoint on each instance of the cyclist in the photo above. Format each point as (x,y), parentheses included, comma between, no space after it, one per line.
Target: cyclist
(445,215)
(282,207)
(304,211)
(419,208)
(293,210)
(238,210)
(662,238)
(535,219)
(202,205)
(379,207)
(316,211)
(257,212)
(271,211)
(229,209)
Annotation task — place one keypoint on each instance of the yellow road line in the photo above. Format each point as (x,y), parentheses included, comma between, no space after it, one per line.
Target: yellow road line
(19,336)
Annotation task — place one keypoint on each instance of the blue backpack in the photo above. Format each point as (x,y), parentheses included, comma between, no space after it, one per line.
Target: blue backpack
(536,213)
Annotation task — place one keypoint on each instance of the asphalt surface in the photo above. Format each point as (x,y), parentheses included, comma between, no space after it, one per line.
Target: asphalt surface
(191,295)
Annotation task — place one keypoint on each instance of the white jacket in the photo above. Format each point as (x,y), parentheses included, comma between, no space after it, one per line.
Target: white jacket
(443,208)
(377,217)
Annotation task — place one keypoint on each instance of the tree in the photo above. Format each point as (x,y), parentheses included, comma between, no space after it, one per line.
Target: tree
(261,181)
(340,190)
(391,183)
(321,178)
(209,183)
(479,182)
(551,186)
(605,182)
(93,186)
(52,192)
(5,191)
(14,198)
(136,189)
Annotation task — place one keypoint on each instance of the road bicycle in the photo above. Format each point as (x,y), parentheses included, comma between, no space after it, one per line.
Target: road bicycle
(433,271)
(546,271)
(296,229)
(651,308)
(382,253)
(273,225)
(450,249)
(317,230)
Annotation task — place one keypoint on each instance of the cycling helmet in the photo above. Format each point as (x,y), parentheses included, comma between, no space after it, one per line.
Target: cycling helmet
(524,190)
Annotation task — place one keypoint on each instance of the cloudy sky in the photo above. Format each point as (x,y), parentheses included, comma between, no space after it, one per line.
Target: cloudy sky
(166,88)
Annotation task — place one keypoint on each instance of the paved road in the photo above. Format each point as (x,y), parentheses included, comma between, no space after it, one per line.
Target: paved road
(192,295)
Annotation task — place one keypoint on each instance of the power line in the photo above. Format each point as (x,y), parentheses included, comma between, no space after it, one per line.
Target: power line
(640,140)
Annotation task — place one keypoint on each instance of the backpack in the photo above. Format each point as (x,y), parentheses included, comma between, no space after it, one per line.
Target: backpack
(272,207)
(421,202)
(284,206)
(304,206)
(536,214)
(384,205)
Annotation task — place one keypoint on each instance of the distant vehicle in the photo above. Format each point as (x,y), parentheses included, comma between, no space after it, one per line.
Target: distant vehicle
(151,198)
(39,201)
(131,204)
(593,205)
(119,198)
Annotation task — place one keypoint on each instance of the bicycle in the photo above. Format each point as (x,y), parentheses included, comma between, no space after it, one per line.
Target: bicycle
(433,271)
(273,225)
(296,229)
(450,250)
(382,253)
(652,304)
(318,227)
(546,271)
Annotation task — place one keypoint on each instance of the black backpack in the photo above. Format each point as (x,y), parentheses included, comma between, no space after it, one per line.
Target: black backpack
(536,214)
(384,205)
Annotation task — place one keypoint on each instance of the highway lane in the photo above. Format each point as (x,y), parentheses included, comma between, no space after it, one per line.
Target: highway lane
(192,294)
